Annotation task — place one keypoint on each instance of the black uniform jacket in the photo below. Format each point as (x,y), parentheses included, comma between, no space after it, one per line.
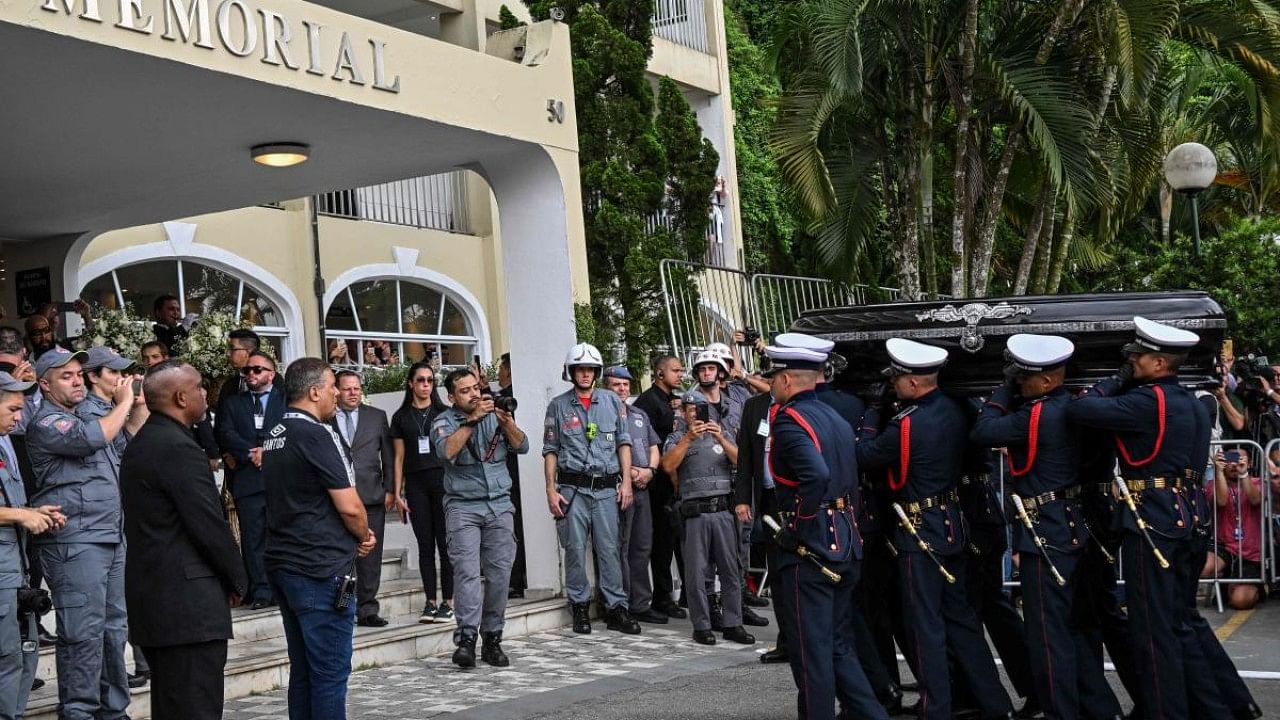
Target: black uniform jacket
(923,448)
(1160,432)
(813,465)
(1044,457)
(181,562)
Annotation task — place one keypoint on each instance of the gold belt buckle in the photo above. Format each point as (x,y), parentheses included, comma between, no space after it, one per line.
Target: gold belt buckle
(839,503)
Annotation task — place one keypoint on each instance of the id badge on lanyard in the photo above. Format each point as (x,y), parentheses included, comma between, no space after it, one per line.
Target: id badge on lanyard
(424,445)
(258,421)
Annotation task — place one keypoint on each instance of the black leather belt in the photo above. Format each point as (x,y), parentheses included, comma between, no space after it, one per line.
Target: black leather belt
(704,506)
(1036,502)
(588,482)
(933,501)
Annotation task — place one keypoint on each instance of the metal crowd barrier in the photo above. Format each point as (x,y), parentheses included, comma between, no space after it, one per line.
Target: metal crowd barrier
(1267,523)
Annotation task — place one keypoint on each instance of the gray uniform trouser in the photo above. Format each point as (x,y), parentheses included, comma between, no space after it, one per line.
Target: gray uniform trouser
(480,541)
(17,668)
(713,538)
(592,514)
(636,534)
(87,580)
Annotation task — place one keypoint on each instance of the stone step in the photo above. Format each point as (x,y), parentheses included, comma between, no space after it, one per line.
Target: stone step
(263,665)
(398,594)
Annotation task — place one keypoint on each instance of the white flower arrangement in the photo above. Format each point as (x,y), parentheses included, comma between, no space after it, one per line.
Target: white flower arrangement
(205,346)
(119,330)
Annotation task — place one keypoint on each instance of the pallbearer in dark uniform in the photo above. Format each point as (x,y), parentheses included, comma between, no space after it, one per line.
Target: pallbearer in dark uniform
(812,462)
(1157,427)
(1028,416)
(924,447)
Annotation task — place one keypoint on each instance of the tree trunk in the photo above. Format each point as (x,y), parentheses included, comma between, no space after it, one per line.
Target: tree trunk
(1044,249)
(909,242)
(1062,249)
(1047,197)
(961,209)
(926,187)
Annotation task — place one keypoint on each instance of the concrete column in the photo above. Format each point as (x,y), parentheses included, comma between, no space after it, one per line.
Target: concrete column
(536,220)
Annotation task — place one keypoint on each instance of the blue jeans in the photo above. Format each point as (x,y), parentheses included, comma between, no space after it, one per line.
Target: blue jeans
(319,639)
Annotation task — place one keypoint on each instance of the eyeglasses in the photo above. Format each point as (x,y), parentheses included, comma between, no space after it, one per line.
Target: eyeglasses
(427,380)
(253,370)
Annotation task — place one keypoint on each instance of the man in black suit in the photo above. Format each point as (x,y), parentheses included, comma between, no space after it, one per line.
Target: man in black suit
(244,419)
(366,438)
(182,571)
(753,495)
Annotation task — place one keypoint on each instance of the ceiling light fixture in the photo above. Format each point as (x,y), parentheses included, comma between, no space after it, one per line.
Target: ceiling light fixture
(282,154)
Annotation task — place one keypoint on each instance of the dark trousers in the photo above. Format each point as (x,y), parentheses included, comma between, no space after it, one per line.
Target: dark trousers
(823,662)
(1055,650)
(519,576)
(1101,623)
(877,596)
(994,607)
(369,567)
(1158,632)
(252,513)
(1213,683)
(424,494)
(666,541)
(319,641)
(186,680)
(34,569)
(937,615)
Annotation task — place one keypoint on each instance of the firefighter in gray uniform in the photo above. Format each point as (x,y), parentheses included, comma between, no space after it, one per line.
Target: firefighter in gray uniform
(74,463)
(19,650)
(701,456)
(586,452)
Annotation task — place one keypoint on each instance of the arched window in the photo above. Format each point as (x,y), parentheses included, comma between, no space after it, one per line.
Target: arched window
(389,321)
(201,288)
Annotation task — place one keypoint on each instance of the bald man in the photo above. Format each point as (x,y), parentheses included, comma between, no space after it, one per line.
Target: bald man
(183,572)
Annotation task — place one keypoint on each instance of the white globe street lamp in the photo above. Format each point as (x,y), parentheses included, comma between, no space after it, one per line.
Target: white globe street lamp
(1189,169)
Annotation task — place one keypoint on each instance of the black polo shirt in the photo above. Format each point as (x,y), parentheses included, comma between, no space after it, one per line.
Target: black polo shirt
(302,460)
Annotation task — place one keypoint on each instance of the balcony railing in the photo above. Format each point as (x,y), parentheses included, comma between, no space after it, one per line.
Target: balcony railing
(717,250)
(438,202)
(683,22)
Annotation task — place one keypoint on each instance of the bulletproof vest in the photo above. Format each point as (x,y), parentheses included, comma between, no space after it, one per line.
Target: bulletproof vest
(705,471)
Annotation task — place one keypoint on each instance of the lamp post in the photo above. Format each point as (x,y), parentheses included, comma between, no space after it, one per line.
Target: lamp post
(1189,169)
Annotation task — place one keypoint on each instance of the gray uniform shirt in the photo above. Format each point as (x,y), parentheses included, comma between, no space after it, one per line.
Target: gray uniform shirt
(75,467)
(643,437)
(586,441)
(476,479)
(10,548)
(705,470)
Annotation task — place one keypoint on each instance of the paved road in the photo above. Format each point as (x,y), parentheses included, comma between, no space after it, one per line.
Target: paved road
(659,674)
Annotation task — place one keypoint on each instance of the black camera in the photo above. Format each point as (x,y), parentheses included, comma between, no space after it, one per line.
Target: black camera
(749,336)
(34,601)
(1252,368)
(505,403)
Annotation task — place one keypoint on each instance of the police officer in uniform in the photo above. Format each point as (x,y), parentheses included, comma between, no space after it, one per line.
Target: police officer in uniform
(586,451)
(812,462)
(1028,416)
(76,467)
(700,456)
(924,448)
(1157,427)
(17,658)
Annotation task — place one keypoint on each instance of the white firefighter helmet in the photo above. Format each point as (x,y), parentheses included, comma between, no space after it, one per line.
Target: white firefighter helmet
(711,357)
(724,351)
(582,354)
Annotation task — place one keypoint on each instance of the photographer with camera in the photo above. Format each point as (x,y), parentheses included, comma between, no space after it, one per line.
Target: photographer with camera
(473,439)
(317,529)
(22,605)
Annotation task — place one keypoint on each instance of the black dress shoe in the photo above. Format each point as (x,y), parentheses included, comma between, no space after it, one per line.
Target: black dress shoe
(704,637)
(1249,712)
(749,617)
(775,655)
(750,599)
(617,618)
(491,650)
(47,639)
(515,594)
(36,684)
(259,604)
(372,621)
(671,609)
(581,618)
(739,635)
(651,616)
(140,679)
(891,698)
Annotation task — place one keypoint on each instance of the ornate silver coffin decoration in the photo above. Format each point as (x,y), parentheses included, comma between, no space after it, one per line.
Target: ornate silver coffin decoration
(973,313)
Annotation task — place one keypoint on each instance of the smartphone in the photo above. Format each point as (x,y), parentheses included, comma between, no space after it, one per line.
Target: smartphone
(65,306)
(137,386)
(702,413)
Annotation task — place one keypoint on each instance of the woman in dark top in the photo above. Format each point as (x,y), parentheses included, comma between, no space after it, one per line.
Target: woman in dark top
(420,481)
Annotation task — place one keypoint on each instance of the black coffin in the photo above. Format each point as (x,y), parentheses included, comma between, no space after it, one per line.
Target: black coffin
(974,333)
